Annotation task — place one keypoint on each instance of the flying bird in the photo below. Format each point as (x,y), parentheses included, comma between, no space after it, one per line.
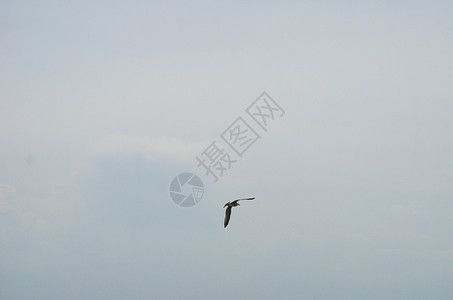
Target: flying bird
(229,205)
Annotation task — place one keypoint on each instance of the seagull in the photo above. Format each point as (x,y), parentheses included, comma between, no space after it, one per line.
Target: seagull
(229,205)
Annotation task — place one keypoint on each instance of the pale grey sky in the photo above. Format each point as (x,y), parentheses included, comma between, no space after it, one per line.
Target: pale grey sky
(353,185)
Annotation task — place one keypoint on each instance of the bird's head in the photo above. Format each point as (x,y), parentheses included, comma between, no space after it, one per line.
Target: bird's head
(226,205)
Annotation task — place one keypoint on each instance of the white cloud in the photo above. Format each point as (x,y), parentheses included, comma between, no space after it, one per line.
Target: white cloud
(149,148)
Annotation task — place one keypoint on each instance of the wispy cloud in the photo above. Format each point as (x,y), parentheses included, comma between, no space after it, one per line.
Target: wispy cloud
(149,148)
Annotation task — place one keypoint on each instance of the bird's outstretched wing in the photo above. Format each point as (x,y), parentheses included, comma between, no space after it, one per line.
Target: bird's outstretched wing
(227,216)
(245,199)
(235,201)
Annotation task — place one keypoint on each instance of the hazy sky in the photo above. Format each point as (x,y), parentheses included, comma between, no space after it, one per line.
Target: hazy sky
(102,103)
